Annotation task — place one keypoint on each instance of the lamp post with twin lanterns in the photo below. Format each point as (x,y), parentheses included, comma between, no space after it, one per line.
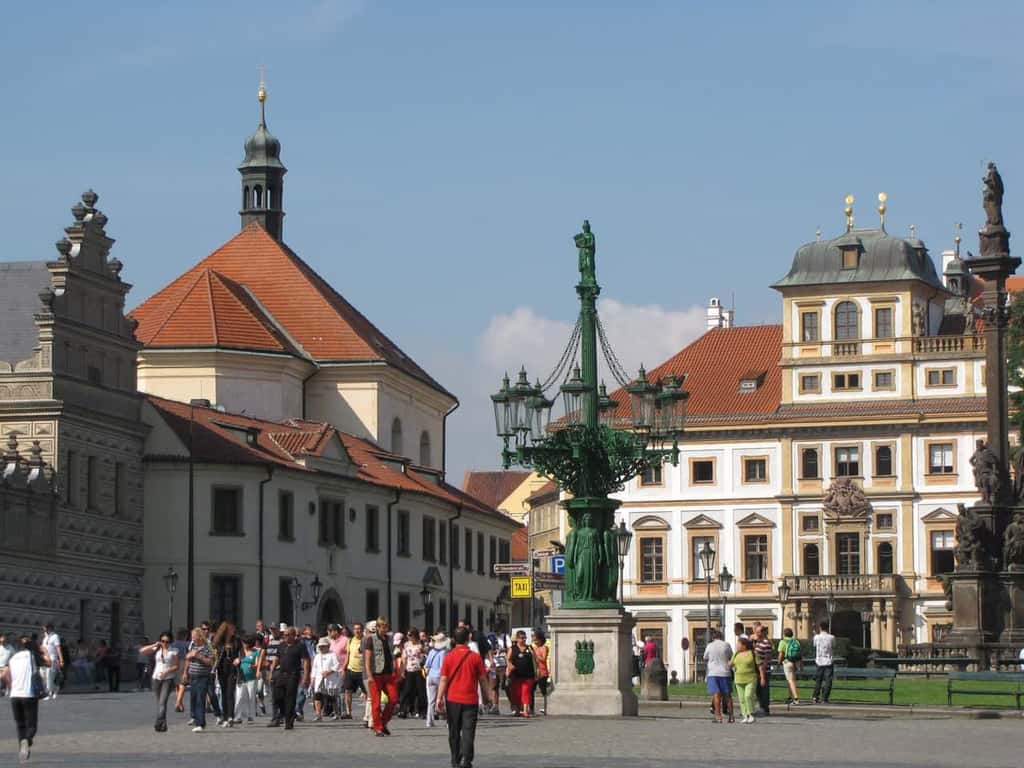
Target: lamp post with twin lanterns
(171,585)
(315,587)
(589,452)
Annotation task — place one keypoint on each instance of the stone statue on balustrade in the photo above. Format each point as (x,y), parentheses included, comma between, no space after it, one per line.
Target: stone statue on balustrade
(987,474)
(1013,543)
(970,541)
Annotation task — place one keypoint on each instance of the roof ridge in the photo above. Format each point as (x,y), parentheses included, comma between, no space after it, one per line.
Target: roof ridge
(213,308)
(185,294)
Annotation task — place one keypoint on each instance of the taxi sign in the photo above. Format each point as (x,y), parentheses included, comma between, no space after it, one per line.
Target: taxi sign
(521,587)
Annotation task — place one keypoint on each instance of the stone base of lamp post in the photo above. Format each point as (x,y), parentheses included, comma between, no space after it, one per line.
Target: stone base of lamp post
(597,683)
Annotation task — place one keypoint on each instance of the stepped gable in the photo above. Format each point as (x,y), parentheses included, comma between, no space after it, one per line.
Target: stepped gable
(714,365)
(282,290)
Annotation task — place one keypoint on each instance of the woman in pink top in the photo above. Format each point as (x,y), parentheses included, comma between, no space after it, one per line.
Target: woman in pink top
(650,650)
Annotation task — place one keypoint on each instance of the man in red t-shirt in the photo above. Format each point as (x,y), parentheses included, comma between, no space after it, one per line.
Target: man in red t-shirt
(462,675)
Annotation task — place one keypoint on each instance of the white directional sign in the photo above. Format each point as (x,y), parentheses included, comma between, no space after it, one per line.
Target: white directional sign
(548,552)
(512,569)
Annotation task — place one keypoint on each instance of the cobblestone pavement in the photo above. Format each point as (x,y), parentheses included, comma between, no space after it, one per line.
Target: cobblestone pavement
(116,730)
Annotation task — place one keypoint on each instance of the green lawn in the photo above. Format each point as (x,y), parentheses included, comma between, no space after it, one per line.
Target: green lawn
(909,690)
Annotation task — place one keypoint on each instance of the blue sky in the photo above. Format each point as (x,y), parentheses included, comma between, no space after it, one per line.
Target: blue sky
(441,155)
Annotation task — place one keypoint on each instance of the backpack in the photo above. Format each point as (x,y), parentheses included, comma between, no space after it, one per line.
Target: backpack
(793,650)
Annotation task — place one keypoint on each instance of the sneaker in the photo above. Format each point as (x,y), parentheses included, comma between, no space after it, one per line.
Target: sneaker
(191,721)
(23,750)
(197,729)
(317,718)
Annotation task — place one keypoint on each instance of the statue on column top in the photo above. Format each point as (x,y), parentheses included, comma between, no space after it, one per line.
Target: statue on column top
(587,245)
(992,198)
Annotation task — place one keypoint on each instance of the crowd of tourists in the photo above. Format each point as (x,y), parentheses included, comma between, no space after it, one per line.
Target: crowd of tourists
(743,673)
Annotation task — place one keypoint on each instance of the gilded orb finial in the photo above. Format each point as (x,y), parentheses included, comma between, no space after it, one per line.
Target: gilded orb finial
(882,197)
(261,94)
(849,212)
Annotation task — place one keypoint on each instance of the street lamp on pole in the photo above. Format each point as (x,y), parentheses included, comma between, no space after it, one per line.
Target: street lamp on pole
(707,562)
(296,599)
(725,580)
(171,585)
(623,536)
(784,590)
(427,598)
(830,606)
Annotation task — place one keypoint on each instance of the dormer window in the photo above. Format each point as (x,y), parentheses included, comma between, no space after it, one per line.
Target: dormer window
(851,256)
(751,380)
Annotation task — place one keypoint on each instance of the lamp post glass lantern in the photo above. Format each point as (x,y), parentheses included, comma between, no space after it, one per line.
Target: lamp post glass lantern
(585,453)
(707,562)
(784,590)
(623,537)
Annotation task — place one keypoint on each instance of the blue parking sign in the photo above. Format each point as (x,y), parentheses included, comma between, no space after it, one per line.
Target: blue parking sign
(558,564)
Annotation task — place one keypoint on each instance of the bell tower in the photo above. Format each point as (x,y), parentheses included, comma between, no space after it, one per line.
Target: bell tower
(263,177)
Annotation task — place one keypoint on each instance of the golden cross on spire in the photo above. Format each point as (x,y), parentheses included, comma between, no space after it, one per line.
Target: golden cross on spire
(261,94)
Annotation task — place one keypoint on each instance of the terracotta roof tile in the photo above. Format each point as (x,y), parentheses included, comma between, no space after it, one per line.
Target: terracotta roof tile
(492,488)
(280,443)
(305,306)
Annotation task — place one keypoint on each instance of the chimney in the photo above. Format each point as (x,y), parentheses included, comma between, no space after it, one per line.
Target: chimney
(717,316)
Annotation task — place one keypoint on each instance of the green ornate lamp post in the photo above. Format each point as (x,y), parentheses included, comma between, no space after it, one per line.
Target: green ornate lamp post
(586,451)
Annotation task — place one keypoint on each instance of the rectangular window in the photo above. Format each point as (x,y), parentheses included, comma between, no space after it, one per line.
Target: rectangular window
(703,471)
(285,516)
(429,539)
(944,377)
(652,559)
(227,511)
(755,470)
(480,553)
(338,523)
(755,557)
(940,459)
(92,484)
(809,464)
(808,326)
(372,529)
(849,258)
(442,543)
(120,490)
(810,523)
(324,524)
(884,380)
(455,546)
(372,603)
(845,381)
(810,382)
(469,550)
(848,462)
(883,323)
(884,521)
(696,545)
(73,479)
(226,599)
(404,610)
(942,552)
(403,544)
(493,550)
(651,475)
(848,554)
(284,600)
(883,461)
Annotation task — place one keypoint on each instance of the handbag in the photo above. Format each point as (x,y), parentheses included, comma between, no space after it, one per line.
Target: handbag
(38,689)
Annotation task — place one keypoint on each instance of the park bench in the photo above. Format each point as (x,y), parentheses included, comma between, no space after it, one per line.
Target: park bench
(847,679)
(955,685)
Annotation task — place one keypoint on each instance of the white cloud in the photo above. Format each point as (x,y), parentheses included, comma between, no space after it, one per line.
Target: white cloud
(647,334)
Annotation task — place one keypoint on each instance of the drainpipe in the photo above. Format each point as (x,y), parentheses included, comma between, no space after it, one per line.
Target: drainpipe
(191,565)
(391,506)
(451,567)
(444,441)
(263,483)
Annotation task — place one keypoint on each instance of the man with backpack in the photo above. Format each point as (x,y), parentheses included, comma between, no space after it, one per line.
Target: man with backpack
(790,657)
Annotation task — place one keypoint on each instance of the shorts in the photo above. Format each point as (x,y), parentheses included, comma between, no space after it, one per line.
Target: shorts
(789,668)
(353,682)
(719,685)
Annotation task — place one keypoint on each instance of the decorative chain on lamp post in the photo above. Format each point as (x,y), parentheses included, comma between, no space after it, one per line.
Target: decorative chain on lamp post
(591,453)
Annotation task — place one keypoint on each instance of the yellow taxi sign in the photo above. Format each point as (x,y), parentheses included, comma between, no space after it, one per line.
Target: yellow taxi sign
(521,586)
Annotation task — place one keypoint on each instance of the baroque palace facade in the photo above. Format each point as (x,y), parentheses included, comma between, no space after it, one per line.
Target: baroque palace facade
(831,450)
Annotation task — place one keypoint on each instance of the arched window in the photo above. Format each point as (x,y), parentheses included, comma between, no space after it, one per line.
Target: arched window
(257,196)
(396,436)
(425,449)
(245,197)
(885,557)
(847,319)
(266,199)
(812,565)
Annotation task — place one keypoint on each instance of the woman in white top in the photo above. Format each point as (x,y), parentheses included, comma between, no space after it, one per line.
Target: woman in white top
(166,661)
(18,676)
(324,672)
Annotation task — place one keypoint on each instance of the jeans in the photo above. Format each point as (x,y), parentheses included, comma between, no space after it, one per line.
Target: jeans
(745,693)
(198,687)
(387,684)
(414,693)
(228,683)
(300,702)
(432,684)
(26,715)
(285,690)
(51,678)
(246,706)
(163,689)
(764,692)
(461,731)
(823,682)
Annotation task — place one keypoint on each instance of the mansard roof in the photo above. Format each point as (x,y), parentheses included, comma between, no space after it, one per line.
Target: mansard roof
(20,285)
